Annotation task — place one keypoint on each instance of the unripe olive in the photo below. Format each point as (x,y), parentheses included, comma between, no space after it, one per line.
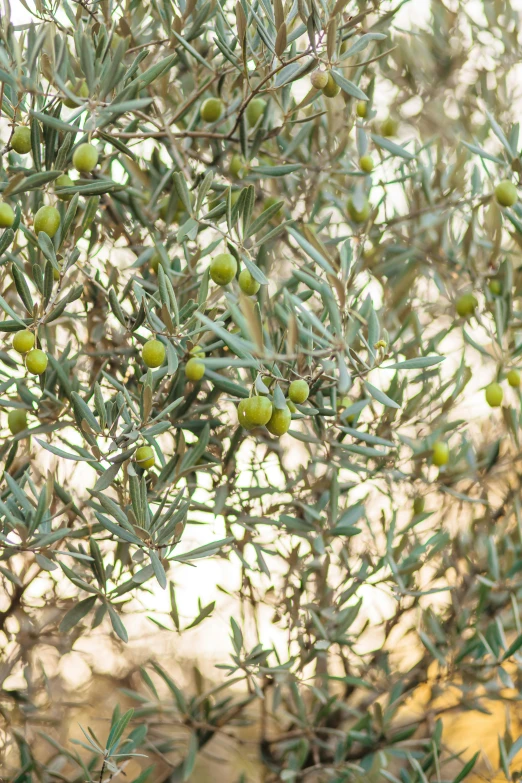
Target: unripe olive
(211,110)
(494,395)
(418,505)
(389,126)
(23,341)
(319,79)
(366,163)
(214,202)
(21,139)
(144,457)
(36,361)
(269,202)
(153,353)
(343,403)
(237,167)
(361,109)
(163,207)
(17,420)
(495,287)
(223,268)
(7,215)
(254,110)
(47,219)
(154,262)
(440,453)
(115,40)
(298,391)
(179,209)
(506,193)
(359,215)
(247,283)
(254,412)
(64,181)
(513,378)
(332,88)
(194,370)
(80,89)
(85,157)
(465,305)
(279,421)
(197,351)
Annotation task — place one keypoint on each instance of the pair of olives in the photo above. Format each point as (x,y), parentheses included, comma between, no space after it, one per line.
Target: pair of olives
(259,412)
(153,355)
(35,360)
(223,269)
(212,109)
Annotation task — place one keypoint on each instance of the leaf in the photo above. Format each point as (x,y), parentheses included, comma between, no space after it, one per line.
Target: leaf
(348,87)
(311,251)
(92,188)
(414,364)
(350,516)
(6,239)
(190,49)
(288,74)
(117,625)
(22,288)
(483,153)
(182,190)
(46,246)
(122,107)
(499,133)
(117,730)
(380,396)
(390,146)
(264,218)
(204,551)
(83,411)
(118,530)
(254,270)
(112,508)
(237,344)
(77,613)
(247,207)
(65,454)
(466,769)
(190,759)
(159,571)
(106,478)
(276,171)
(513,647)
(431,648)
(279,398)
(35,181)
(55,123)
(241,23)
(205,612)
(157,70)
(362,42)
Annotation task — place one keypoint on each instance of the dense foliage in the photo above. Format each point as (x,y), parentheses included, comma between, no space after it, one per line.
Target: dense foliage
(261,292)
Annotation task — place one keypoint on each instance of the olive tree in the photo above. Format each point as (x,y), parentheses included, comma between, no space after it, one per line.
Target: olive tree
(260,276)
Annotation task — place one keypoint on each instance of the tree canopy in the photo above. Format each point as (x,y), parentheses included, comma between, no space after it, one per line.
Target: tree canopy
(260,313)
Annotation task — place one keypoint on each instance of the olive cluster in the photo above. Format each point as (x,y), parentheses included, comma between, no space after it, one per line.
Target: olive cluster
(260,411)
(47,218)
